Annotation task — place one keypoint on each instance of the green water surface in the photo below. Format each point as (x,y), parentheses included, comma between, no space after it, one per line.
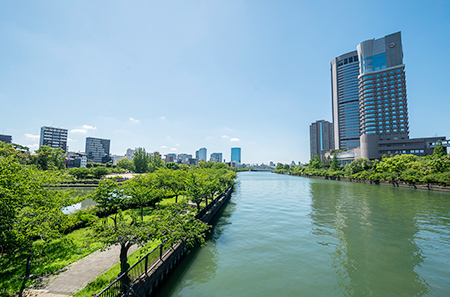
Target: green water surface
(291,236)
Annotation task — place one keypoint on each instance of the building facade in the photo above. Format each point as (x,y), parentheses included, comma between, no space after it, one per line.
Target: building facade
(97,150)
(321,138)
(382,102)
(345,100)
(216,157)
(53,137)
(6,138)
(382,91)
(201,154)
(236,154)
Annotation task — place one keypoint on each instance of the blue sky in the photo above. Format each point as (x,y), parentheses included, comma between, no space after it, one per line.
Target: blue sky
(174,76)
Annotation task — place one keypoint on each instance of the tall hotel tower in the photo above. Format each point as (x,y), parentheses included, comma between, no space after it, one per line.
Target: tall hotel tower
(382,93)
(345,100)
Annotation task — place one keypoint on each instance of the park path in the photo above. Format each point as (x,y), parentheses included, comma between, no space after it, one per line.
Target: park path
(79,274)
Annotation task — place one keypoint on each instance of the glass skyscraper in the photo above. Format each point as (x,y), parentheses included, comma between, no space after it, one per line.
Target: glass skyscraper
(236,154)
(345,100)
(382,92)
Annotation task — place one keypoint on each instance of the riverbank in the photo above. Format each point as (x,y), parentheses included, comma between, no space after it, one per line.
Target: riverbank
(377,182)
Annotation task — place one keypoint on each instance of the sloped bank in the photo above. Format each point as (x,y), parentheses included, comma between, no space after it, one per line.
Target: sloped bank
(383,183)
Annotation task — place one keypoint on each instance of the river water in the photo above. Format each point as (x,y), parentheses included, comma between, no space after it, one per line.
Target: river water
(292,236)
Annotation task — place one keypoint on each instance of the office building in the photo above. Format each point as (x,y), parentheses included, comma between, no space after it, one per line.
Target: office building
(236,154)
(345,100)
(383,110)
(74,159)
(97,150)
(321,138)
(6,138)
(201,154)
(53,137)
(216,157)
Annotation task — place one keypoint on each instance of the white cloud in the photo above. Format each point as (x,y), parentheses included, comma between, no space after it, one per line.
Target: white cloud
(225,136)
(163,146)
(234,139)
(84,130)
(32,136)
(177,144)
(173,149)
(72,140)
(162,118)
(135,120)
(87,127)
(33,146)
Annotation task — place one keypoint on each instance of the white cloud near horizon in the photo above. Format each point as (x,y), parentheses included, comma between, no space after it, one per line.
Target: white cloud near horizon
(163,146)
(234,139)
(135,120)
(32,136)
(33,146)
(84,130)
(173,149)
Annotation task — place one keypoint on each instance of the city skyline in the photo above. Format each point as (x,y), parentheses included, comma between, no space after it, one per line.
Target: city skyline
(173,78)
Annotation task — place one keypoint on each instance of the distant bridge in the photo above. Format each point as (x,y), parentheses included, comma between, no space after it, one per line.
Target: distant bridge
(261,169)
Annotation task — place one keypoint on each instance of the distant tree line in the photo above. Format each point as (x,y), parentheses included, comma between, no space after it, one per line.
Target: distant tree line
(407,168)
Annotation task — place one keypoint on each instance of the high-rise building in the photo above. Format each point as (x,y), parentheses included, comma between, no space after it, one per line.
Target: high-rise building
(382,105)
(382,91)
(6,138)
(321,138)
(53,137)
(216,157)
(345,100)
(97,150)
(236,154)
(201,154)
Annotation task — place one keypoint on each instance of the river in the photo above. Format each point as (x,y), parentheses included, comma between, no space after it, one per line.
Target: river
(293,236)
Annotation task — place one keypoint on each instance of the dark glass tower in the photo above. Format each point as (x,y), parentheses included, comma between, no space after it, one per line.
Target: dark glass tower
(345,100)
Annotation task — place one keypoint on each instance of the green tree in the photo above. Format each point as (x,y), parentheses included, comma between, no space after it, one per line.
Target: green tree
(155,162)
(334,163)
(48,158)
(30,213)
(108,196)
(172,182)
(439,150)
(194,189)
(143,191)
(99,172)
(140,160)
(172,166)
(126,164)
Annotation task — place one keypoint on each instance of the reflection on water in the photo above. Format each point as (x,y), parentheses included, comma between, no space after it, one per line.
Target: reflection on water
(292,236)
(376,251)
(79,191)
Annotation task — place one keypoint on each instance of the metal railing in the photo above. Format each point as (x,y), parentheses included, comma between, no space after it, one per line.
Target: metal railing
(120,285)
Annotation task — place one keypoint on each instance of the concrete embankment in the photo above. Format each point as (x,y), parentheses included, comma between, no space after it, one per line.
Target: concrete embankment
(383,183)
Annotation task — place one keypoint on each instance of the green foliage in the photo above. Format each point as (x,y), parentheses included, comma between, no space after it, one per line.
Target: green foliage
(126,164)
(28,211)
(48,158)
(143,191)
(439,150)
(334,163)
(172,166)
(140,160)
(108,196)
(155,162)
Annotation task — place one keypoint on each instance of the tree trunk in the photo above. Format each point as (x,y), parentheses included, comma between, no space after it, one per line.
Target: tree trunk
(142,212)
(125,281)
(176,198)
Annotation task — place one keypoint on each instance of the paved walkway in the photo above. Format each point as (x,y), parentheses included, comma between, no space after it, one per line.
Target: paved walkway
(80,273)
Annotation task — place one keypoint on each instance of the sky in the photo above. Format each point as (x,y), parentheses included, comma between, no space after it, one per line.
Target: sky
(175,76)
